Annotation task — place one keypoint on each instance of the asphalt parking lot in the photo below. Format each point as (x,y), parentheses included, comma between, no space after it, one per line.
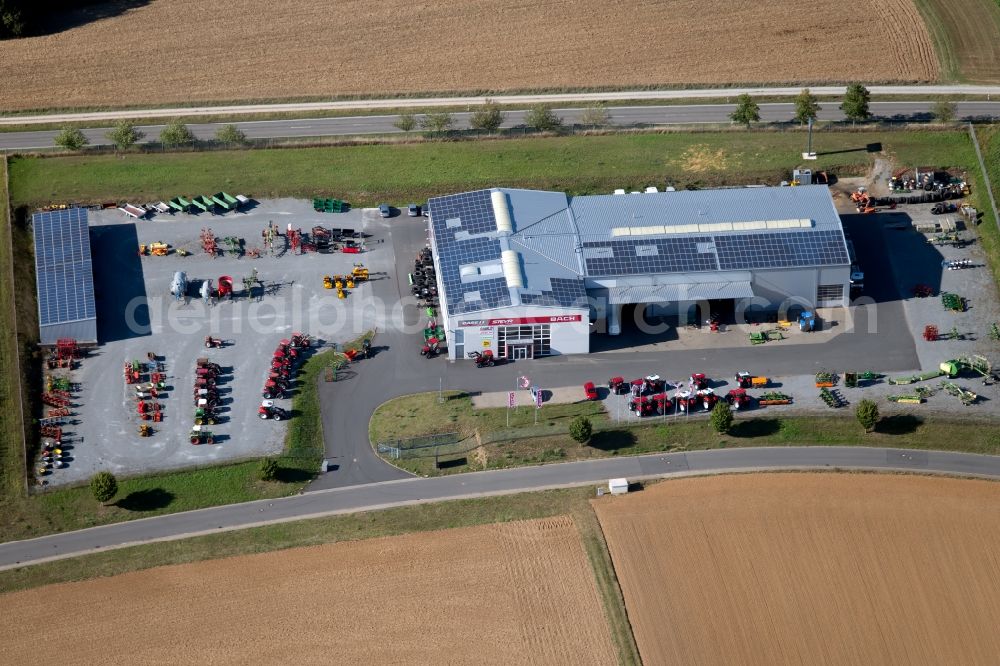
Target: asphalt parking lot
(137,315)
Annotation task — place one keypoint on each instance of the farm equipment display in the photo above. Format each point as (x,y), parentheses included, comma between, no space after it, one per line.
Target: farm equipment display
(738,398)
(807,322)
(952,368)
(432,347)
(483,359)
(774,398)
(686,401)
(699,381)
(325,205)
(225,287)
(642,405)
(199,435)
(618,386)
(825,379)
(653,384)
(179,285)
(213,343)
(589,391)
(746,380)
(952,302)
(64,355)
(708,398)
(268,410)
(209,243)
(964,395)
(832,398)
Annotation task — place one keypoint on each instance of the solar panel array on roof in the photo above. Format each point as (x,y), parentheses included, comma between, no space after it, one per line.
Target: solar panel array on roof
(726,252)
(781,250)
(673,255)
(467,213)
(63,266)
(564,293)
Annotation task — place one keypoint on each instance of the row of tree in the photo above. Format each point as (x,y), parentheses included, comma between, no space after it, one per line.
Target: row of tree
(856,107)
(125,134)
(490,116)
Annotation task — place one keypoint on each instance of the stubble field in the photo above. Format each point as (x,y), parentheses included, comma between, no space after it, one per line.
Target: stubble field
(520,592)
(810,568)
(184,51)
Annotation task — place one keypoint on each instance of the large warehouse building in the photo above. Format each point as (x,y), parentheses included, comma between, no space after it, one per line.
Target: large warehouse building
(524,273)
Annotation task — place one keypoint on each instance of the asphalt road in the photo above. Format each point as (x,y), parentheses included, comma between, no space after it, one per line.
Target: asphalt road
(565,99)
(499,482)
(626,116)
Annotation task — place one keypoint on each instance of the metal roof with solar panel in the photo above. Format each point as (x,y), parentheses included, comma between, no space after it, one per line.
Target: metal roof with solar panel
(525,247)
(64,276)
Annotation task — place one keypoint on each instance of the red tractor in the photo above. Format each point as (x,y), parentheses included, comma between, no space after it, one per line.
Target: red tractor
(431,348)
(590,391)
(708,398)
(738,398)
(617,386)
(653,384)
(213,343)
(642,406)
(664,403)
(746,380)
(635,387)
(268,410)
(686,401)
(483,359)
(699,381)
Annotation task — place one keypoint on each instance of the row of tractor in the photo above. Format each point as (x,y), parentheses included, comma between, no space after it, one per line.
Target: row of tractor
(207,402)
(648,396)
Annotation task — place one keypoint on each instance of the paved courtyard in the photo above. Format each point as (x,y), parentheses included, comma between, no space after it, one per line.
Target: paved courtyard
(137,315)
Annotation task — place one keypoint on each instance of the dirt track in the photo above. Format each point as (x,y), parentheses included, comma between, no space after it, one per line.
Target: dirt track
(518,592)
(177,51)
(810,569)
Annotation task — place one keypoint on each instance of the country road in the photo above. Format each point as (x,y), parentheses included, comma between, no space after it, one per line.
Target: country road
(564,99)
(624,116)
(479,484)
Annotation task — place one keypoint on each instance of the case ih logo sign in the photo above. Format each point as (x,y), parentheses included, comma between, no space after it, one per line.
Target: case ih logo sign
(513,321)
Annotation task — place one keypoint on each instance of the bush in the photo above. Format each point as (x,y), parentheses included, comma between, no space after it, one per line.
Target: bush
(867,413)
(722,417)
(268,470)
(104,486)
(580,429)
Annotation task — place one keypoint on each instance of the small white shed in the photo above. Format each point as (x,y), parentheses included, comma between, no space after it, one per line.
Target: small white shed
(618,486)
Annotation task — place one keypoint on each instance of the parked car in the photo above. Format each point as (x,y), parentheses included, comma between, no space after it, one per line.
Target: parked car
(590,391)
(384,210)
(413,210)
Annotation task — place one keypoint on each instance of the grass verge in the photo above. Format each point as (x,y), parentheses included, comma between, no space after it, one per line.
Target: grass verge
(367,174)
(490,445)
(12,464)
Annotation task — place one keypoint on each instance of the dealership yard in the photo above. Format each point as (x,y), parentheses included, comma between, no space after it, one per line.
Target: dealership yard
(503,593)
(816,568)
(137,315)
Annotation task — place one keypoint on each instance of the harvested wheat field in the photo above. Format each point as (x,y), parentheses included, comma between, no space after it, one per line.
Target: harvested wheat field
(519,592)
(810,569)
(177,51)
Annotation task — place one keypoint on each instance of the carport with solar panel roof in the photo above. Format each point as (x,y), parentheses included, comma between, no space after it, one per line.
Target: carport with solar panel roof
(523,272)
